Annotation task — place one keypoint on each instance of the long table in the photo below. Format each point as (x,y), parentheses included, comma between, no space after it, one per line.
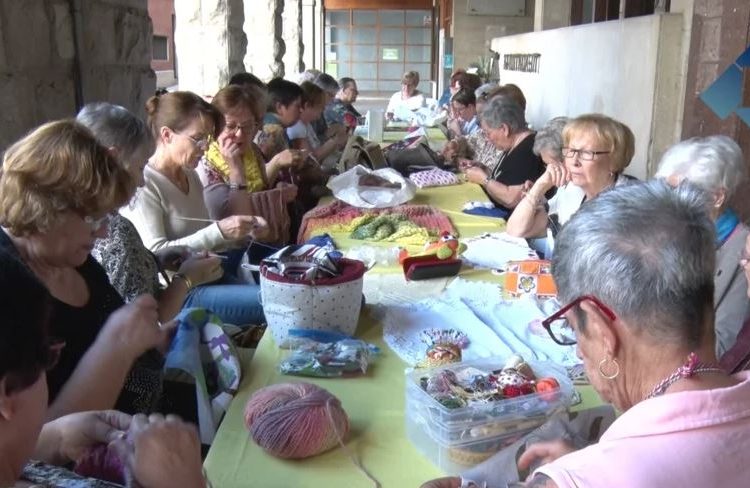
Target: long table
(374,403)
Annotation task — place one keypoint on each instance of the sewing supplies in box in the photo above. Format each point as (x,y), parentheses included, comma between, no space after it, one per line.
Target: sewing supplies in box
(461,414)
(304,287)
(530,277)
(326,354)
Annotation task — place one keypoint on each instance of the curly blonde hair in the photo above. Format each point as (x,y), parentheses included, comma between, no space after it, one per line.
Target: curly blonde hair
(55,168)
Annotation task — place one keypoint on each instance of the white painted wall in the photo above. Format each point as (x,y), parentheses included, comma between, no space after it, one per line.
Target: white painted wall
(627,69)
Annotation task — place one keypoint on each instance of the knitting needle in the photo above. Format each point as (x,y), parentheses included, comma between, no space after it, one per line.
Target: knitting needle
(196,219)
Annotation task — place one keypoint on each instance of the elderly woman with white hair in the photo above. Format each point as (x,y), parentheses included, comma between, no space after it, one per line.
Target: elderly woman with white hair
(504,123)
(548,143)
(639,300)
(715,164)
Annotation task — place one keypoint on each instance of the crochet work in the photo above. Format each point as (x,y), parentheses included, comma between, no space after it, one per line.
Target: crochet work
(404,224)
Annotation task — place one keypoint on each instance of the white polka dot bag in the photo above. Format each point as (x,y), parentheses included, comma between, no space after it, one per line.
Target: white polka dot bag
(330,304)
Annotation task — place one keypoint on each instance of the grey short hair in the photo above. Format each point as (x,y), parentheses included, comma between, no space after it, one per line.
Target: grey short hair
(115,126)
(483,91)
(327,83)
(712,163)
(550,137)
(647,251)
(503,110)
(307,75)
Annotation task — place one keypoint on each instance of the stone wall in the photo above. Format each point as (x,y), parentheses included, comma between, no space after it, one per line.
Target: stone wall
(37,50)
(210,43)
(264,26)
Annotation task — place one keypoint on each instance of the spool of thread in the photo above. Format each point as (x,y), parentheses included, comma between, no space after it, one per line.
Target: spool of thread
(296,420)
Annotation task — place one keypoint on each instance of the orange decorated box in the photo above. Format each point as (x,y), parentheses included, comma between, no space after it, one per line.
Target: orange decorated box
(530,277)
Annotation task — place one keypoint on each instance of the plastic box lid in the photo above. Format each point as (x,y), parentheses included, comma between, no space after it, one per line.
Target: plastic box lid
(481,420)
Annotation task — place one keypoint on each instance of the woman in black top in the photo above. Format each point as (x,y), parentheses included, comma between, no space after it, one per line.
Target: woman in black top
(56,189)
(505,125)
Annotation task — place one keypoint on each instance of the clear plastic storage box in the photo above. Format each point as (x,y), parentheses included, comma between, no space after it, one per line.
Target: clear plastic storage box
(455,438)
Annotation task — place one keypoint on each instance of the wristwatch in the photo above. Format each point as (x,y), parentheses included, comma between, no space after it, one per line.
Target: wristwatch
(237,186)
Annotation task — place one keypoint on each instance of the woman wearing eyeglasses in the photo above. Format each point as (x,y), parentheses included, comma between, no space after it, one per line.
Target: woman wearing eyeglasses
(170,210)
(56,189)
(639,290)
(596,151)
(236,178)
(504,124)
(464,120)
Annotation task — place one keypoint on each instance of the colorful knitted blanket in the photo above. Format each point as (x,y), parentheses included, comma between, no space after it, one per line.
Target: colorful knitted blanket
(405,224)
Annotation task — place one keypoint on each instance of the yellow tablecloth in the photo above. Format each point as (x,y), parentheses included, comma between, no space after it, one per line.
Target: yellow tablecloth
(375,403)
(450,200)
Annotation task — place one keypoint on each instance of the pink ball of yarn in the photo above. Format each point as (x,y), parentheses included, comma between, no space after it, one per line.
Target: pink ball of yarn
(296,420)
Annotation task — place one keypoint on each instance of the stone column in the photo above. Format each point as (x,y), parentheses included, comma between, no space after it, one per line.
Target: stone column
(292,34)
(264,27)
(115,52)
(37,50)
(551,14)
(210,43)
(309,21)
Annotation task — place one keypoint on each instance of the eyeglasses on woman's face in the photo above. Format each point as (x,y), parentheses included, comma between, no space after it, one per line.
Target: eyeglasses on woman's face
(561,330)
(201,143)
(583,154)
(246,127)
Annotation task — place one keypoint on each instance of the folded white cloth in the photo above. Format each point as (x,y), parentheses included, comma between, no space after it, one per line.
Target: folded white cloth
(496,249)
(403,326)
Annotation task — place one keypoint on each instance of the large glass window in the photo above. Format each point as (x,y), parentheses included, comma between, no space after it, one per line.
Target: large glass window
(376,47)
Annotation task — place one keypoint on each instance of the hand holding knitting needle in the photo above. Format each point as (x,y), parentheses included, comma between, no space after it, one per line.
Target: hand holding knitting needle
(239,227)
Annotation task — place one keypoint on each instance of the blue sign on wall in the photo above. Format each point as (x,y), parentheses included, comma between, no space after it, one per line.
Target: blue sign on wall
(448,61)
(724,95)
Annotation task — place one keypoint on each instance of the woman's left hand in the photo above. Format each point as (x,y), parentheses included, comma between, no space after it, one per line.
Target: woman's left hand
(76,433)
(475,174)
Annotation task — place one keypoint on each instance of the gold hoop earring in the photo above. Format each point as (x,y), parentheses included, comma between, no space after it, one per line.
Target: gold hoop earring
(616,366)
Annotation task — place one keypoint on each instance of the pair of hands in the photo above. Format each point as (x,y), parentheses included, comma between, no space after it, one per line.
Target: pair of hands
(157,452)
(474,171)
(537,454)
(239,227)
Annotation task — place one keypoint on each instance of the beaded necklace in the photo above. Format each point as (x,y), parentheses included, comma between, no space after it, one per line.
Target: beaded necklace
(691,367)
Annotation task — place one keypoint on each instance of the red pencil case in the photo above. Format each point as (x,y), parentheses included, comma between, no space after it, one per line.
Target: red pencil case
(426,267)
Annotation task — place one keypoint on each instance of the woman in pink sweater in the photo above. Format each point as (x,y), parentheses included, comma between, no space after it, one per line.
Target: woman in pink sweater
(636,266)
